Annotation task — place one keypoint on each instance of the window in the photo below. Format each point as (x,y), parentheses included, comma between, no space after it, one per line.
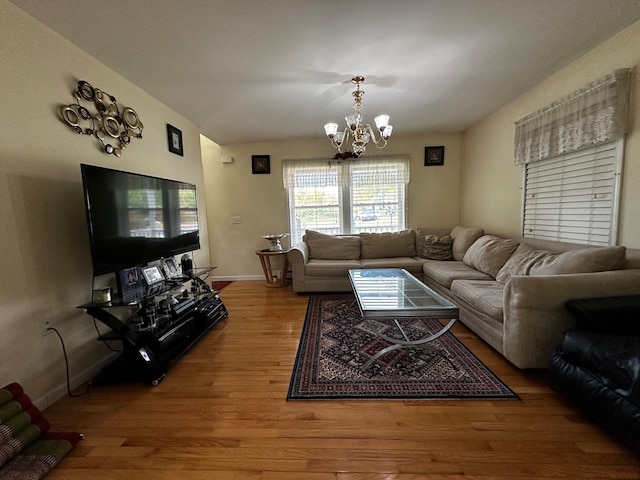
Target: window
(574,197)
(572,157)
(362,195)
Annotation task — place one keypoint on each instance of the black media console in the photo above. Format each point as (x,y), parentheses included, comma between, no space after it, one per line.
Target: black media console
(159,328)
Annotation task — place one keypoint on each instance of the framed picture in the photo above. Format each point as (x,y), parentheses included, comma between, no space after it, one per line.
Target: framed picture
(130,284)
(170,268)
(260,164)
(433,156)
(152,274)
(174,137)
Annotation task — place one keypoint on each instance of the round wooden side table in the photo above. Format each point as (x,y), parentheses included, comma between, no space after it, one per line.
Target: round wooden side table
(265,260)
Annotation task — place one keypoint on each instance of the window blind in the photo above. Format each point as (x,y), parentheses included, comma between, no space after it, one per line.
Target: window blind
(574,197)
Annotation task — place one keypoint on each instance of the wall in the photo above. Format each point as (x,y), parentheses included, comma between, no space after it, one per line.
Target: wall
(491,184)
(261,202)
(44,249)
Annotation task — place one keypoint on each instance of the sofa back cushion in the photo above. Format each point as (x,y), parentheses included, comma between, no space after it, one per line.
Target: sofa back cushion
(588,260)
(388,244)
(489,253)
(463,238)
(520,263)
(332,247)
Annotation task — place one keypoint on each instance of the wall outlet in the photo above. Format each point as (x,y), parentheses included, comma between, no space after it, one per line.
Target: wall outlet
(236,220)
(46,326)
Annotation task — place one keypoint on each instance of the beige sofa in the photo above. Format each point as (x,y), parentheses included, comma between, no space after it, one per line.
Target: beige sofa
(510,291)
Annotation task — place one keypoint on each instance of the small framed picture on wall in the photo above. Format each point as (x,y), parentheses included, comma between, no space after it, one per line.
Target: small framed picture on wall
(433,156)
(174,137)
(260,164)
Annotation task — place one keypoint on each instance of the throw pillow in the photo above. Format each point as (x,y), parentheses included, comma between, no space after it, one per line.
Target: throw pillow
(488,254)
(463,238)
(422,232)
(388,244)
(437,248)
(520,262)
(587,260)
(332,247)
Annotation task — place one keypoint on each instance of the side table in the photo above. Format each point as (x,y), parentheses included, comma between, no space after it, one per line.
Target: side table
(265,260)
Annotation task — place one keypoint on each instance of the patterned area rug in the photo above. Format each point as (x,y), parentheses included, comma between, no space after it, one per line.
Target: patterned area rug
(336,341)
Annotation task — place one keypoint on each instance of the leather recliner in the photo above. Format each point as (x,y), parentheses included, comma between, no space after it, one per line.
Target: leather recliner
(597,364)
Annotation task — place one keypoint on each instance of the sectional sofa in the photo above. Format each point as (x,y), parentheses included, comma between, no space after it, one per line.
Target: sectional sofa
(511,291)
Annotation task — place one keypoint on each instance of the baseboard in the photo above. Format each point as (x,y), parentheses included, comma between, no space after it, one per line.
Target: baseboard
(76,380)
(234,278)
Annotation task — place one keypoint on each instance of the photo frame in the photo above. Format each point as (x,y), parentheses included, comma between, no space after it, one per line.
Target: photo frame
(169,267)
(174,138)
(130,284)
(152,274)
(433,156)
(260,164)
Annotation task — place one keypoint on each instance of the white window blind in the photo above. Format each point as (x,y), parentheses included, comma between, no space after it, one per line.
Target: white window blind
(574,197)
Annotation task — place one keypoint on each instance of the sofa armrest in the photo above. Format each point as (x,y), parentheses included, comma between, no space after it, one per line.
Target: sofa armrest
(299,253)
(535,314)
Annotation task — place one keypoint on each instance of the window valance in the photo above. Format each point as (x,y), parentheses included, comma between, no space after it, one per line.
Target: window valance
(367,171)
(590,116)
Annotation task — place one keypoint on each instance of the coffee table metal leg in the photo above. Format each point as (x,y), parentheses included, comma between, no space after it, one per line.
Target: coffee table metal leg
(406,343)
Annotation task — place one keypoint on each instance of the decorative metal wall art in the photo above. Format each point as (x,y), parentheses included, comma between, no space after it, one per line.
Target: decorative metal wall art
(108,124)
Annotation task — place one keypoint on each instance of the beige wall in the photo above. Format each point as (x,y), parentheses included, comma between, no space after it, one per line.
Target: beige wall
(45,262)
(261,201)
(491,184)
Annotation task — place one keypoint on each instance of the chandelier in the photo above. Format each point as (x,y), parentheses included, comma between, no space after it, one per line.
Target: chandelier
(361,134)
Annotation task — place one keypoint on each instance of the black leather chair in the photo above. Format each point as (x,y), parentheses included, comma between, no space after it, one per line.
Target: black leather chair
(597,364)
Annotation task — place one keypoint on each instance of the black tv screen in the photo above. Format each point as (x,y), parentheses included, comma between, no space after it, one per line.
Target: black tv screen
(134,219)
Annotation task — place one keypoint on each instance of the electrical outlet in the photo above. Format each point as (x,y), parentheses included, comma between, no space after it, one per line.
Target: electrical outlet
(46,327)
(236,220)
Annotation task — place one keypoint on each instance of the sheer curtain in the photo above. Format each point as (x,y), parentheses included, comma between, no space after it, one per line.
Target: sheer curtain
(590,116)
(370,171)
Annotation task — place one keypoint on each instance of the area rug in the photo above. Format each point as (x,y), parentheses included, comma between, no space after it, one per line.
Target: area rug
(336,341)
(220,284)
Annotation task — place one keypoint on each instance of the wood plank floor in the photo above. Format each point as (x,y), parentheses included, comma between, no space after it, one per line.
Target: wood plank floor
(222,413)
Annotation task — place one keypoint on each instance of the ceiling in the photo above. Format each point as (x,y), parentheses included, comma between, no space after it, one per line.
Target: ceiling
(267,70)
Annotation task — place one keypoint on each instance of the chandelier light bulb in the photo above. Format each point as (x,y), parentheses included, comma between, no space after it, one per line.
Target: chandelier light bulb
(361,134)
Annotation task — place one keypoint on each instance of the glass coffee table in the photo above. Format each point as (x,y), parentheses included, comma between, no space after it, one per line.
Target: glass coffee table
(393,293)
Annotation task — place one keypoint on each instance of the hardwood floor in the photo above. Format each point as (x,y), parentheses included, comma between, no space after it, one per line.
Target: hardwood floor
(222,413)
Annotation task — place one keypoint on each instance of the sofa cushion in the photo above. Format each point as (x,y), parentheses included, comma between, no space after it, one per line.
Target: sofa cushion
(422,232)
(588,260)
(489,253)
(437,248)
(331,268)
(445,272)
(520,262)
(332,247)
(388,244)
(485,296)
(463,238)
(410,264)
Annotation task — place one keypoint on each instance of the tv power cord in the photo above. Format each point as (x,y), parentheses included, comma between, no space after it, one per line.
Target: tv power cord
(66,362)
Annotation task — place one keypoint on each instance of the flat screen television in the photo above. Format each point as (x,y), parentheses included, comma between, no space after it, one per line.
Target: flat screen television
(134,219)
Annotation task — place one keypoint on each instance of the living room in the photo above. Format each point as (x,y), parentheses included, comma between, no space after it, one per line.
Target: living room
(45,254)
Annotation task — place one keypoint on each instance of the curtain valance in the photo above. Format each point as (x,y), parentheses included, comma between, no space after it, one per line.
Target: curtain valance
(370,170)
(592,115)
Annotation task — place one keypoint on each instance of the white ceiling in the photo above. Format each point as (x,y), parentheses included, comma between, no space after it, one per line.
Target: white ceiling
(260,70)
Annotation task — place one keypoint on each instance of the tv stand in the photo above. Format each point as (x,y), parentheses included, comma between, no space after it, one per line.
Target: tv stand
(158,329)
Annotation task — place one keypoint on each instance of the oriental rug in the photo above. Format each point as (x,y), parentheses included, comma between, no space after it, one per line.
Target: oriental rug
(336,341)
(220,284)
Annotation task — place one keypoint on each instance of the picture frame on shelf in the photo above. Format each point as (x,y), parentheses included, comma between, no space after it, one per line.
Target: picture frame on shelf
(174,138)
(130,284)
(260,164)
(152,274)
(433,156)
(169,267)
